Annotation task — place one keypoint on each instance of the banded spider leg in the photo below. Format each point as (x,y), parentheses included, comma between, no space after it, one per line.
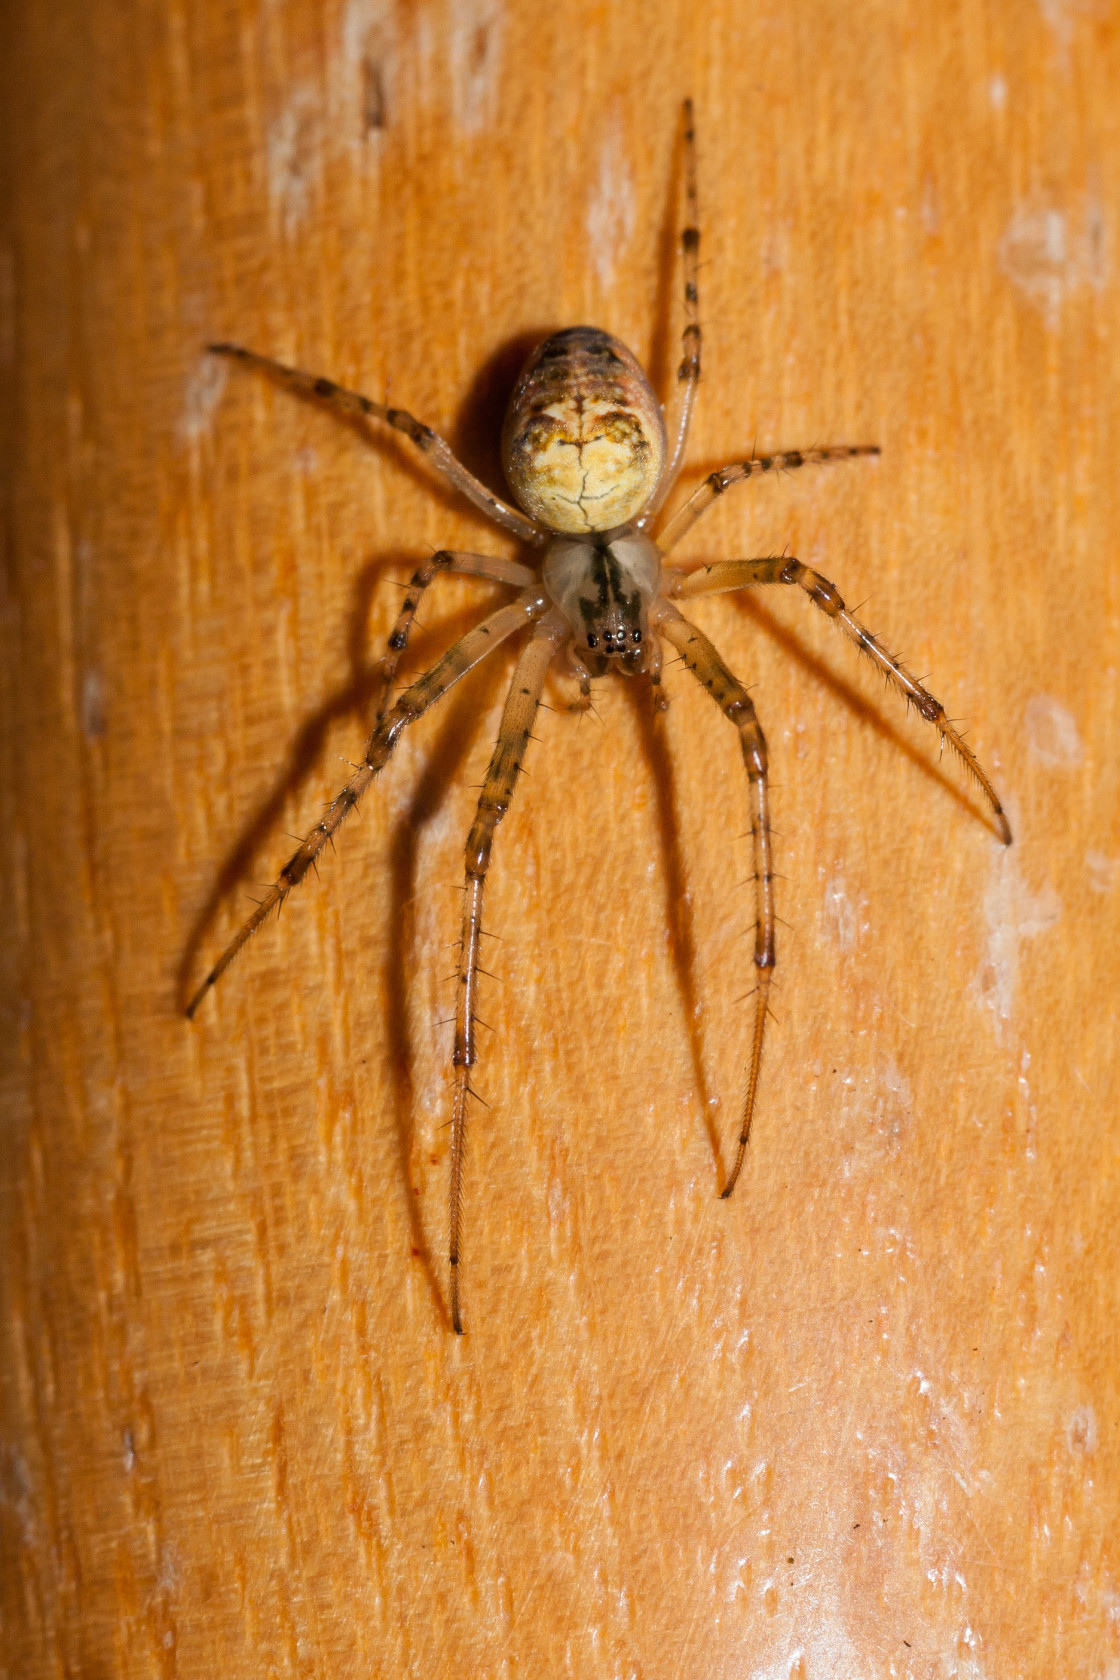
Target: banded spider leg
(709,669)
(409,706)
(728,575)
(493,803)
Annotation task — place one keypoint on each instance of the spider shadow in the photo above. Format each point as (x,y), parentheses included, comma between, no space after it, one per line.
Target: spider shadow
(475,438)
(680,917)
(443,761)
(855,702)
(479,416)
(678,905)
(474,435)
(355,698)
(663,338)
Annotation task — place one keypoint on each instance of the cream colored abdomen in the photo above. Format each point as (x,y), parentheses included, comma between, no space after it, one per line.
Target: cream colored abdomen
(584,442)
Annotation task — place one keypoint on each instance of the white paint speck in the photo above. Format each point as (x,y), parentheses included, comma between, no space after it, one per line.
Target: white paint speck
(295,157)
(472,40)
(612,211)
(1081,1430)
(1062,17)
(205,384)
(824,1649)
(1052,734)
(1051,252)
(1029,1108)
(361,78)
(1013,913)
(961,1659)
(842,921)
(1103,871)
(997,92)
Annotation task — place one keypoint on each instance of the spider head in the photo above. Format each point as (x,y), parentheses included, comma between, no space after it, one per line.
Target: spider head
(614,635)
(605,584)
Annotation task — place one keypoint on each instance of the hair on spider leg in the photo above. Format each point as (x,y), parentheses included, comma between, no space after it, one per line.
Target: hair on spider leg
(449,1021)
(747,996)
(483,933)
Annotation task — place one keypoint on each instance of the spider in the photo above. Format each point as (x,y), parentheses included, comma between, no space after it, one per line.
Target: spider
(586,453)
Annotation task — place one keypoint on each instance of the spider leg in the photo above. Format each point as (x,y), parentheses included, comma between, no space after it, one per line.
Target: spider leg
(430,443)
(688,374)
(708,668)
(447,560)
(741,574)
(497,791)
(412,704)
(653,671)
(716,483)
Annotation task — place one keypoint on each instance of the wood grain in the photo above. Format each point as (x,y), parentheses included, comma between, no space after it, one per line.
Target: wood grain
(862,1419)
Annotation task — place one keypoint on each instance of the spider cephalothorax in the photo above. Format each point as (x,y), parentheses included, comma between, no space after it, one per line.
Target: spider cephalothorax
(605,586)
(584,449)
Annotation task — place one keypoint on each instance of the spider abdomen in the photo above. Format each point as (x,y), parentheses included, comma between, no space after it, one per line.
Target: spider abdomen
(583,444)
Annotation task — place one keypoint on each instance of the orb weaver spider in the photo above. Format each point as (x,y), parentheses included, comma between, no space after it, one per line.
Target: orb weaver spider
(585,450)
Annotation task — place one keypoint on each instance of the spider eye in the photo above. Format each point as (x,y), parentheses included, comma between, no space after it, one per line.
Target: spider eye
(593,641)
(637,636)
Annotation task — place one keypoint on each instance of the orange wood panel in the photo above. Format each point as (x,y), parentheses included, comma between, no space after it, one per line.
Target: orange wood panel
(861,1420)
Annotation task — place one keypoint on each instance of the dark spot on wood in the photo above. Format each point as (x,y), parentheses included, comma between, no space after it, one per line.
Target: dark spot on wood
(373,97)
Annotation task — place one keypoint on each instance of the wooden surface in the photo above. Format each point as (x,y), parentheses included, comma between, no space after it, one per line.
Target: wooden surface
(862,1419)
